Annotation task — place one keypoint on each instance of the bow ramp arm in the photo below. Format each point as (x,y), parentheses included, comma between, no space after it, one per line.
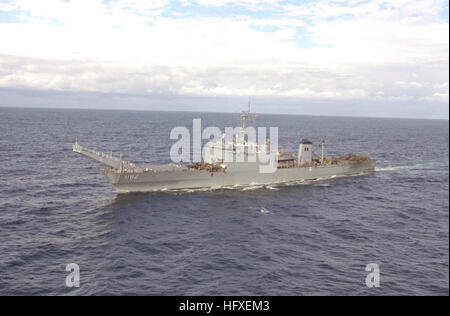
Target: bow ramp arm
(108,160)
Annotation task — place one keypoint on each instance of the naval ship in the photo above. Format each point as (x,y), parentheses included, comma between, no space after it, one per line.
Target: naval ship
(216,172)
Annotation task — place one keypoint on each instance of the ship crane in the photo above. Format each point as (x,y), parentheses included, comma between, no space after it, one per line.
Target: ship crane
(108,160)
(322,146)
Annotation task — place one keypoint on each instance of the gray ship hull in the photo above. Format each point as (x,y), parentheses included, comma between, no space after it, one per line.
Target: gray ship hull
(180,177)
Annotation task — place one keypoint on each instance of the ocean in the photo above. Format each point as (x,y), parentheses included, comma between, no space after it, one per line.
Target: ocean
(314,238)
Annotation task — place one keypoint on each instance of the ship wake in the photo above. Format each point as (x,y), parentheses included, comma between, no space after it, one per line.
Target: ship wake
(419,166)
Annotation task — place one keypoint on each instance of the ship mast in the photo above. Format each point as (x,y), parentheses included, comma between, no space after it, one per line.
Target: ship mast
(245,115)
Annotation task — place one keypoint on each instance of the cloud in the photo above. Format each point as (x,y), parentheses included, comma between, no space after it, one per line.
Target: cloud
(412,84)
(356,50)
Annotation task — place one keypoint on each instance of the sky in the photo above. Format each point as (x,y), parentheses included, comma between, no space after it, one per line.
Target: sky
(349,58)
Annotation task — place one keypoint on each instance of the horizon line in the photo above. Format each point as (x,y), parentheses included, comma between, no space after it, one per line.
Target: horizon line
(219,112)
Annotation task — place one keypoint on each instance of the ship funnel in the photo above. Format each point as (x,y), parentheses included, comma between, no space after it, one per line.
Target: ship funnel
(304,152)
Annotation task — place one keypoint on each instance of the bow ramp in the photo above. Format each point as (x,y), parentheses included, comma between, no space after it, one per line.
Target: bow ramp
(108,160)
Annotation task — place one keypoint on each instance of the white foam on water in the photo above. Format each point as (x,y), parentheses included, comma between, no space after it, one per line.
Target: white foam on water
(206,189)
(252,187)
(392,168)
(322,184)
(264,211)
(425,165)
(325,178)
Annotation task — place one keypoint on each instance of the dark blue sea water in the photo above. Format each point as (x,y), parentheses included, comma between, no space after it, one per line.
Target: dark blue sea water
(56,208)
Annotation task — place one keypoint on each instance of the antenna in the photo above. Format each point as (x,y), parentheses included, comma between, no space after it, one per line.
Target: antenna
(322,143)
(245,115)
